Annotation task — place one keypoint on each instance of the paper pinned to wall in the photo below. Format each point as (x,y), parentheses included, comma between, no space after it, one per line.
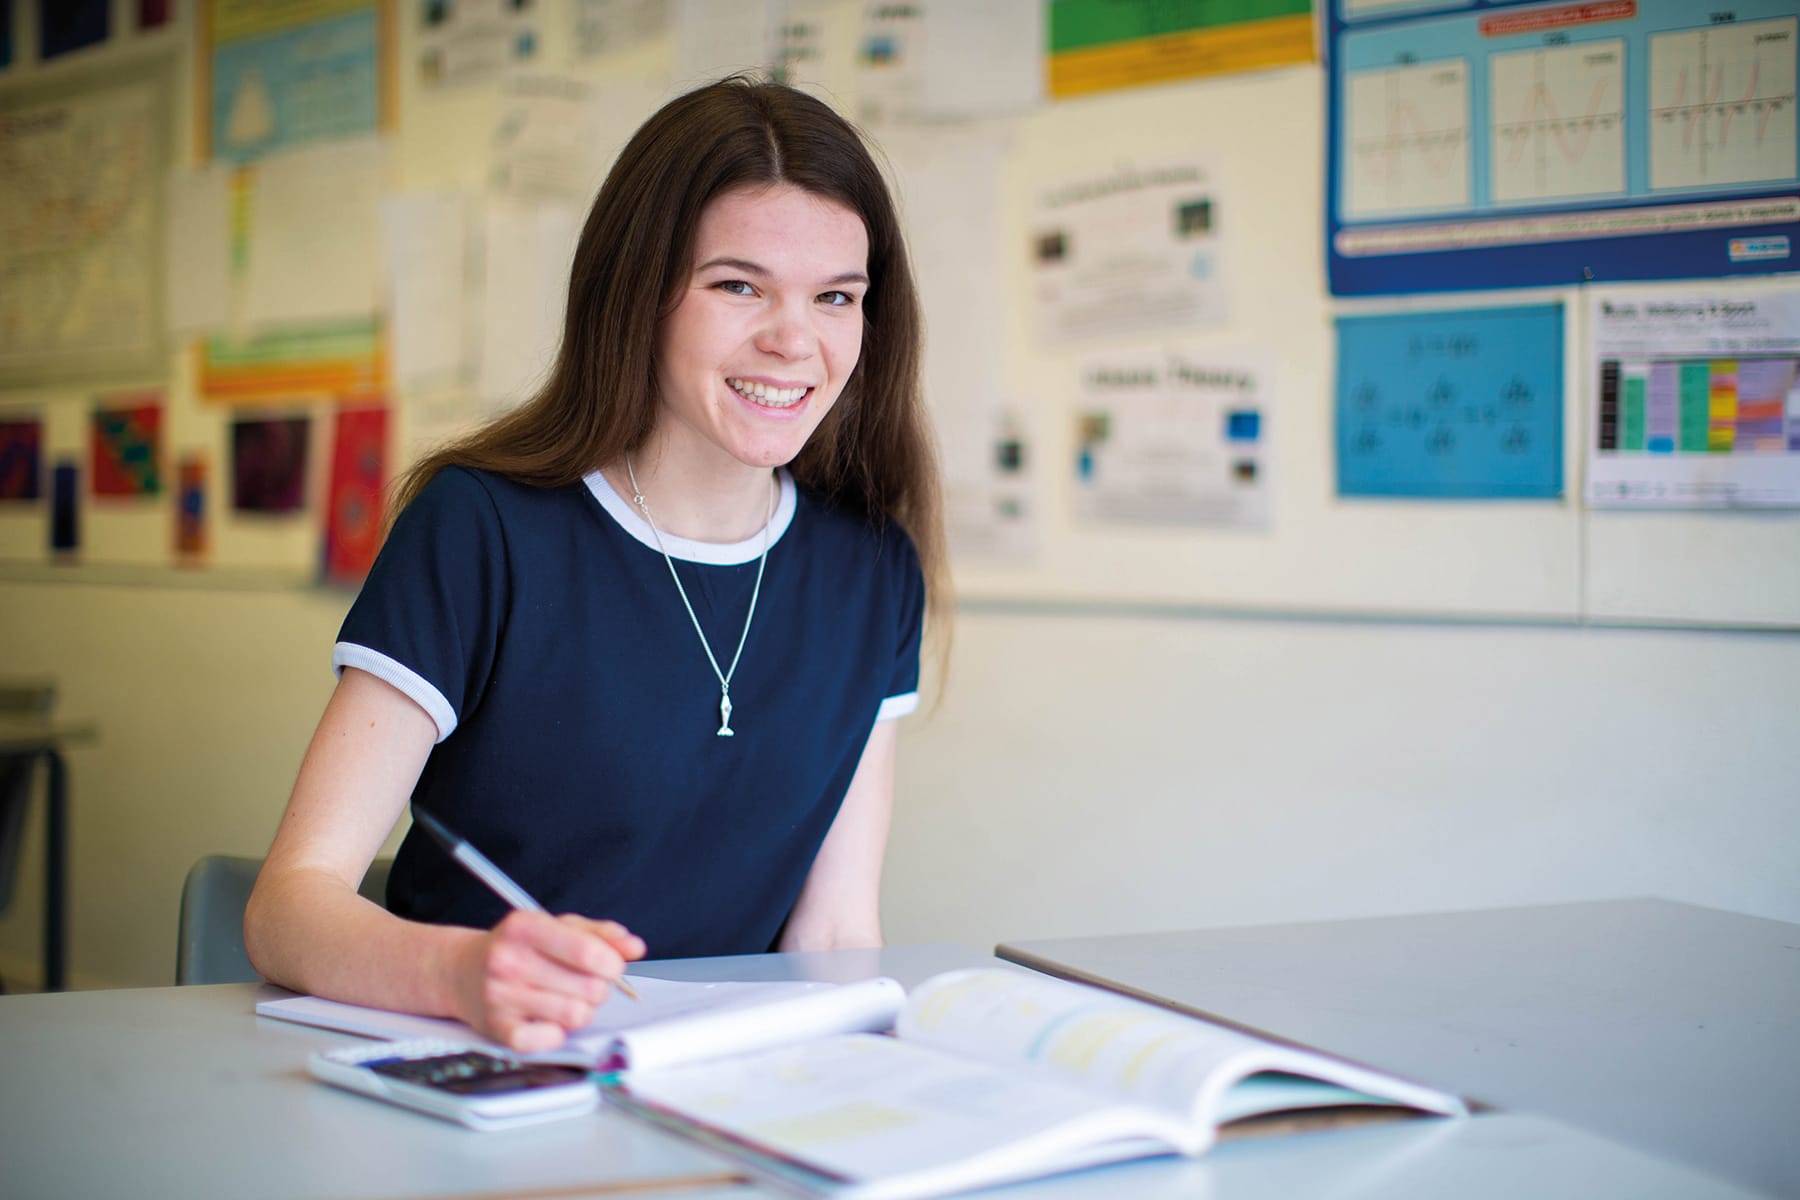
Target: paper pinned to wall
(982,60)
(1463,404)
(1697,402)
(949,185)
(945,61)
(302,268)
(526,254)
(1128,249)
(721,37)
(468,42)
(556,137)
(1176,438)
(614,26)
(426,235)
(197,240)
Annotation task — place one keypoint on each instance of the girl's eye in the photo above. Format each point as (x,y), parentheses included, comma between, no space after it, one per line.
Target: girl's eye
(736,287)
(838,299)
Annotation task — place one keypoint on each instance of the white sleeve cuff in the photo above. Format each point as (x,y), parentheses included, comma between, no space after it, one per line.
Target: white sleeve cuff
(410,683)
(897,706)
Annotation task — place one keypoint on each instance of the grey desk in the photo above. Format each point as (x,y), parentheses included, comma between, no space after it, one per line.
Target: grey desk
(1663,1026)
(45,737)
(183,1092)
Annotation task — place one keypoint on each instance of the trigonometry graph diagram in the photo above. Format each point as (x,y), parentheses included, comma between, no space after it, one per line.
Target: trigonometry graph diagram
(1722,104)
(1558,121)
(1407,134)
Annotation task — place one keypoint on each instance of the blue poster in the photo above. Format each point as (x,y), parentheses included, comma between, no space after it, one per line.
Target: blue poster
(291,86)
(1451,405)
(1503,143)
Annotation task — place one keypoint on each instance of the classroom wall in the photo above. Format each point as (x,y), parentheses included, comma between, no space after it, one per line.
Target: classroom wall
(1091,767)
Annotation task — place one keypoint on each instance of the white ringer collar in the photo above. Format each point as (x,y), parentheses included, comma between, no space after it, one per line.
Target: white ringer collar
(718,554)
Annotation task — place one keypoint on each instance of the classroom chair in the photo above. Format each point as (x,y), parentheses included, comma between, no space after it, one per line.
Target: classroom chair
(210,940)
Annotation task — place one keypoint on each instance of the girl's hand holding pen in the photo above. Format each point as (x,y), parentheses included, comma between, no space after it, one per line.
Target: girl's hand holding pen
(534,977)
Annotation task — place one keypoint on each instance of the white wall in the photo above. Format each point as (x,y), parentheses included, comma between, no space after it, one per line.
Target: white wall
(1083,774)
(1087,771)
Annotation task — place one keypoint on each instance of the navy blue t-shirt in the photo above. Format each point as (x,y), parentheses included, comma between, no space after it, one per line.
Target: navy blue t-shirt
(577,713)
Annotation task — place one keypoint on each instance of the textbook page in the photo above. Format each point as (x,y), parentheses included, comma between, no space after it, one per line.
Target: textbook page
(895,1119)
(1131,1050)
(663,1000)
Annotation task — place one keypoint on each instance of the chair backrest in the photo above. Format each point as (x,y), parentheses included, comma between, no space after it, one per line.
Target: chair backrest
(18,698)
(210,940)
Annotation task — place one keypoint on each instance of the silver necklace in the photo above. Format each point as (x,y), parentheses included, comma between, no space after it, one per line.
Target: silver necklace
(637,498)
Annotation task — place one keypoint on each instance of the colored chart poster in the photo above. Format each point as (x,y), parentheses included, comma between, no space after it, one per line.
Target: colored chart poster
(1451,405)
(1697,402)
(21,460)
(81,229)
(289,73)
(125,447)
(1502,143)
(1098,45)
(353,513)
(1172,439)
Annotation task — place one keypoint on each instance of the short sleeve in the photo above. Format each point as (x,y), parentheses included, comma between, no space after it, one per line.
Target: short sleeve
(902,696)
(428,618)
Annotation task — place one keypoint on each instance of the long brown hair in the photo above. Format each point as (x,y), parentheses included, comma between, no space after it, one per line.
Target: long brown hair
(873,452)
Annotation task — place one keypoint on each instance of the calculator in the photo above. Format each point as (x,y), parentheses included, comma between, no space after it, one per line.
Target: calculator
(475,1086)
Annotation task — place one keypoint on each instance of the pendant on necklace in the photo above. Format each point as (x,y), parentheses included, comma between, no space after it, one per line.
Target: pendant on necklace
(725,729)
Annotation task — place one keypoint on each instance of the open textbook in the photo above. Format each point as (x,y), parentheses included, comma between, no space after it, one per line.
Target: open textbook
(991,1075)
(994,1076)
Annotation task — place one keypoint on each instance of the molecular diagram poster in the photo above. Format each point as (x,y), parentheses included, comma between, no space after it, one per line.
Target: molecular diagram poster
(1451,405)
(1491,143)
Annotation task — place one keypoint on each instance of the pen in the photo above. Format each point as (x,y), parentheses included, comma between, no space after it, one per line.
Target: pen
(480,866)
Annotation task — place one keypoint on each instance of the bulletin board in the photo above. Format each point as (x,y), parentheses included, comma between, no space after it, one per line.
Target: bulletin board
(1497,143)
(1019,351)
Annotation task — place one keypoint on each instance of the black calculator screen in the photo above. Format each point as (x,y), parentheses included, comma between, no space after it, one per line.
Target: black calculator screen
(472,1073)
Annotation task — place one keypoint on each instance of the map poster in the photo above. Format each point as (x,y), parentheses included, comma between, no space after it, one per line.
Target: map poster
(81,226)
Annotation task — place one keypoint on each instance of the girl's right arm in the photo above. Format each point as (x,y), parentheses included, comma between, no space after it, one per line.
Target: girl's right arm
(525,983)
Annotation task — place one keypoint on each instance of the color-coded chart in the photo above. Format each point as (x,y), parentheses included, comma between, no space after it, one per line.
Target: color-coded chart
(1700,406)
(1696,400)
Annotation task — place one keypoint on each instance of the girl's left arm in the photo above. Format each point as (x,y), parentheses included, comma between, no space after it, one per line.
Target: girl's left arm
(840,903)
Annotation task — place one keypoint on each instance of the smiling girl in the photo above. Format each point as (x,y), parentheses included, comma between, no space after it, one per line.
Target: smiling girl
(644,639)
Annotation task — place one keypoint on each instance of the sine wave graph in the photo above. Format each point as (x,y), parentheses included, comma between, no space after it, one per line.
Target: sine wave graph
(1407,135)
(1722,104)
(1558,122)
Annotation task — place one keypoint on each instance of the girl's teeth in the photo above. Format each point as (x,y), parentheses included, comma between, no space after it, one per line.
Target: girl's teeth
(767,396)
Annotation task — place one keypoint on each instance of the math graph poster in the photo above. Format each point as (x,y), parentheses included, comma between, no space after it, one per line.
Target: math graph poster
(1500,143)
(1451,405)
(1698,401)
